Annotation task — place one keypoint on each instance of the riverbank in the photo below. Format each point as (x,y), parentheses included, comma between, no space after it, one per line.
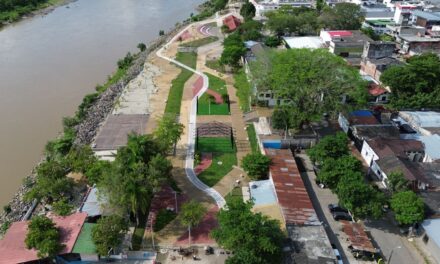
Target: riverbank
(87,129)
(42,9)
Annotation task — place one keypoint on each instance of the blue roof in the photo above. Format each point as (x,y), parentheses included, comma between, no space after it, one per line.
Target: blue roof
(262,192)
(432,229)
(361,113)
(432,16)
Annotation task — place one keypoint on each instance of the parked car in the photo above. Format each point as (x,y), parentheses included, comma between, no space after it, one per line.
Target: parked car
(337,254)
(342,216)
(337,208)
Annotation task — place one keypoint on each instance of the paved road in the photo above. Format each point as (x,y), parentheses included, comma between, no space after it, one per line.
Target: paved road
(383,232)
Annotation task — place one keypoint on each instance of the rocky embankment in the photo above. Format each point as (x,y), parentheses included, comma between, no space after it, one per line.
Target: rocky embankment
(87,130)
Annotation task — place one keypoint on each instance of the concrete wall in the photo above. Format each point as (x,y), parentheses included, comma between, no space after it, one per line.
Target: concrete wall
(377,50)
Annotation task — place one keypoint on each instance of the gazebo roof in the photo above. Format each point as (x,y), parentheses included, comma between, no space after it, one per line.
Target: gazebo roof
(214,129)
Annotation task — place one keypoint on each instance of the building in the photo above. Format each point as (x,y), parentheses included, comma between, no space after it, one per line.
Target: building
(309,241)
(427,123)
(377,56)
(377,94)
(360,243)
(416,45)
(431,238)
(385,156)
(13,248)
(379,26)
(427,19)
(375,11)
(231,22)
(345,43)
(310,42)
(263,6)
(403,13)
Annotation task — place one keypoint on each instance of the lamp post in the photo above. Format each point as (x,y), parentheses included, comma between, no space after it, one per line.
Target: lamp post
(391,253)
(175,200)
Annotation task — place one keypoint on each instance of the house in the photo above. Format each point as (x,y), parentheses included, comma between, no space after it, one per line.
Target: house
(379,26)
(377,56)
(377,11)
(309,241)
(231,22)
(378,94)
(427,123)
(263,6)
(359,241)
(403,13)
(416,45)
(431,237)
(427,19)
(348,44)
(385,156)
(13,248)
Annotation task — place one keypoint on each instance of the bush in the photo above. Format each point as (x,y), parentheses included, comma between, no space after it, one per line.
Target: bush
(256,165)
(62,207)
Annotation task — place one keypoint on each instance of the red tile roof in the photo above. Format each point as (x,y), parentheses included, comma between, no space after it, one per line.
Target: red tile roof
(356,235)
(13,248)
(375,89)
(232,22)
(340,33)
(291,193)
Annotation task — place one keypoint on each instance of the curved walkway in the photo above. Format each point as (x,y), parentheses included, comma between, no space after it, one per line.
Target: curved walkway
(189,161)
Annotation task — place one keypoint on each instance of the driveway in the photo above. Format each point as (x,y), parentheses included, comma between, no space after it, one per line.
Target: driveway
(385,235)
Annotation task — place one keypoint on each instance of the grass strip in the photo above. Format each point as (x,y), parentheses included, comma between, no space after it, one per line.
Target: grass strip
(215,144)
(243,89)
(206,103)
(175,96)
(136,240)
(253,138)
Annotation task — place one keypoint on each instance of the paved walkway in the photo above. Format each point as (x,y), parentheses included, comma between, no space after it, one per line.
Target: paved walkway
(191,123)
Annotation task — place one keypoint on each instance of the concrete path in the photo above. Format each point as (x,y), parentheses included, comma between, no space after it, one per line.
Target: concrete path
(191,126)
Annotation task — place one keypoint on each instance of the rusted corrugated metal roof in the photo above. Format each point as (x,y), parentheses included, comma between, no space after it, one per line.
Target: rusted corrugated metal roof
(356,235)
(291,193)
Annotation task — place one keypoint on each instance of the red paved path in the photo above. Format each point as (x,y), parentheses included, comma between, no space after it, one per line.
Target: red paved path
(206,161)
(185,35)
(197,86)
(200,234)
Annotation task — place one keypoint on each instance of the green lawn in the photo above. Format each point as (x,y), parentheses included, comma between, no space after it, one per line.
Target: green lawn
(235,193)
(206,105)
(164,217)
(216,172)
(175,96)
(243,89)
(136,240)
(253,138)
(215,144)
(215,65)
(200,42)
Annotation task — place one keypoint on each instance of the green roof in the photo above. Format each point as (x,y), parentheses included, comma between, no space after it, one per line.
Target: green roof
(84,243)
(380,22)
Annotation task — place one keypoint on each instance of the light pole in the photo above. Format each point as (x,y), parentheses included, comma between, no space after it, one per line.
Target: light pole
(391,253)
(175,200)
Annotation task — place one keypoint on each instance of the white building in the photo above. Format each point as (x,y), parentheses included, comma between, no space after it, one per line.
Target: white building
(261,7)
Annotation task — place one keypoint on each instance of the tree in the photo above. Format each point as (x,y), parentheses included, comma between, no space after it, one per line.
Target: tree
(416,84)
(62,207)
(282,118)
(408,207)
(96,172)
(44,237)
(142,47)
(108,232)
(250,30)
(256,165)
(313,81)
(81,158)
(231,55)
(320,4)
(168,132)
(191,214)
(254,238)
(329,147)
(397,182)
(343,16)
(334,169)
(360,198)
(289,20)
(272,41)
(247,11)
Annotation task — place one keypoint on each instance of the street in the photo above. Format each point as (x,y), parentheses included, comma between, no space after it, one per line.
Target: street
(384,234)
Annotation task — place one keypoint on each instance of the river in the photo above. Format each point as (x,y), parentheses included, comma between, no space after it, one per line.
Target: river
(48,63)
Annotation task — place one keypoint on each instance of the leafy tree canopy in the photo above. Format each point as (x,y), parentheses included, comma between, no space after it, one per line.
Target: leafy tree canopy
(254,238)
(247,10)
(44,237)
(408,207)
(360,198)
(330,147)
(397,182)
(256,165)
(291,20)
(62,207)
(313,80)
(343,16)
(108,233)
(334,169)
(416,84)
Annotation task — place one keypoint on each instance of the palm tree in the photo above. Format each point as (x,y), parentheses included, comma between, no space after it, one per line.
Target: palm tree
(191,215)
